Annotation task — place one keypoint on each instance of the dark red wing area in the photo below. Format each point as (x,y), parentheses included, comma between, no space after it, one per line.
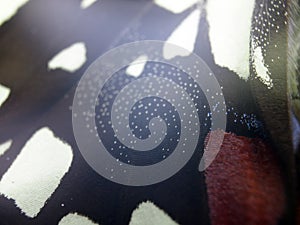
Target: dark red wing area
(244,183)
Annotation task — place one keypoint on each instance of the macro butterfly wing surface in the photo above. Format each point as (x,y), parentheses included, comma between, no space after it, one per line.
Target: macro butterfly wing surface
(39,94)
(49,48)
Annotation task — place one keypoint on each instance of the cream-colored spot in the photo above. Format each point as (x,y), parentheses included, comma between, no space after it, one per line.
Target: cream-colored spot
(175,6)
(149,214)
(184,36)
(5,146)
(69,59)
(4,93)
(36,172)
(136,68)
(87,3)
(229,33)
(262,72)
(75,219)
(8,8)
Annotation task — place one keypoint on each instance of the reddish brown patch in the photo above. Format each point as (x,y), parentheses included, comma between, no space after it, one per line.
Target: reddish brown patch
(298,215)
(244,184)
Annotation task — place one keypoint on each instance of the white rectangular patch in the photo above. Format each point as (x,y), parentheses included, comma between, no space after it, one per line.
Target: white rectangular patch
(229,33)
(36,172)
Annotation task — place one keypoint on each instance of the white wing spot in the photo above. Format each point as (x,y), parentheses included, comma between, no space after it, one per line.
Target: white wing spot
(175,6)
(87,3)
(36,172)
(261,69)
(75,219)
(136,68)
(8,8)
(184,36)
(149,214)
(229,33)
(5,146)
(69,59)
(4,94)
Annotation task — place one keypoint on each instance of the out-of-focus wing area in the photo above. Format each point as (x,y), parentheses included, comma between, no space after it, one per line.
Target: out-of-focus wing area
(41,97)
(39,31)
